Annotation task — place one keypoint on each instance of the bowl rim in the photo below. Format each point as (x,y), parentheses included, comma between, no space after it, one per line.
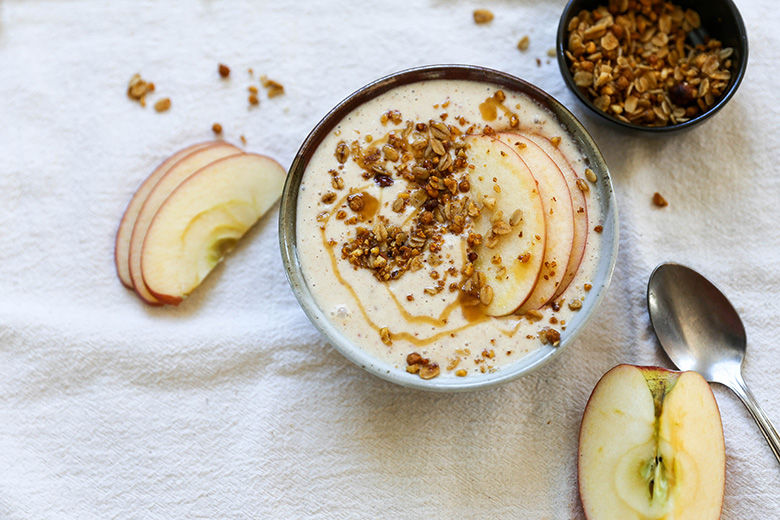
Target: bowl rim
(560,48)
(359,356)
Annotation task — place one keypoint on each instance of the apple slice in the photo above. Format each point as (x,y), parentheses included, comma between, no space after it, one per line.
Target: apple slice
(123,234)
(558,214)
(651,447)
(502,184)
(203,219)
(164,187)
(579,205)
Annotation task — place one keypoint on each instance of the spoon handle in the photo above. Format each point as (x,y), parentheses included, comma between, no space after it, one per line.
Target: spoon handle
(765,425)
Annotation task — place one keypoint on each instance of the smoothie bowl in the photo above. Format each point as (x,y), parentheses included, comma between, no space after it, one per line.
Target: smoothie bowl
(449,228)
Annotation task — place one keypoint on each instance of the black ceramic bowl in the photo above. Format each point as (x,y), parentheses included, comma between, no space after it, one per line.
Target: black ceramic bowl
(720,19)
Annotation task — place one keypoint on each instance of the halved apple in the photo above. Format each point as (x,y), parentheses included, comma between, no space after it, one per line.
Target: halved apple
(164,187)
(558,214)
(203,219)
(506,188)
(579,206)
(651,447)
(123,234)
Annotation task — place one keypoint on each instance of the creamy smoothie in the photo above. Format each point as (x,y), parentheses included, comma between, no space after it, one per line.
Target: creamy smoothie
(412,240)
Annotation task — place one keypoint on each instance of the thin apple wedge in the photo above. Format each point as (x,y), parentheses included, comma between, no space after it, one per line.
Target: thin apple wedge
(125,231)
(203,219)
(164,187)
(651,447)
(512,223)
(579,206)
(558,214)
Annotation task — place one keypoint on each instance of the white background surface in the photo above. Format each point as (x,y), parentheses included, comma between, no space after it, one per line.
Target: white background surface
(231,406)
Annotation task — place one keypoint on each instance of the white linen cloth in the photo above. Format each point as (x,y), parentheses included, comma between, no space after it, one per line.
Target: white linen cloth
(231,405)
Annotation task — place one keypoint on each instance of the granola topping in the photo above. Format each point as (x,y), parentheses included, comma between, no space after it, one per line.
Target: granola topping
(635,62)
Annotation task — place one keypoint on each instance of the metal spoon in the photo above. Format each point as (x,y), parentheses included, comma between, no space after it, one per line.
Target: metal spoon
(700,330)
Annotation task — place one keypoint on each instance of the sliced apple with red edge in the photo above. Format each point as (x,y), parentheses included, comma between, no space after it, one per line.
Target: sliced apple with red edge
(579,206)
(501,184)
(203,219)
(126,224)
(184,168)
(651,447)
(558,215)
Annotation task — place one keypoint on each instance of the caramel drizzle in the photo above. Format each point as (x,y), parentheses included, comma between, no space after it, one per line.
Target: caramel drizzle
(472,315)
(489,109)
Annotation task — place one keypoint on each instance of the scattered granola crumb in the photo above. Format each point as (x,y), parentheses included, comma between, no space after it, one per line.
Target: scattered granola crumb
(216,128)
(163,105)
(551,52)
(523,43)
(224,70)
(416,364)
(413,358)
(253,100)
(550,336)
(138,88)
(534,315)
(482,16)
(429,371)
(274,88)
(659,200)
(243,139)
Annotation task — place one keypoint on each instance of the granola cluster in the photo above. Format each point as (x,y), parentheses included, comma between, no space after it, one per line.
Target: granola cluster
(138,88)
(431,159)
(424,367)
(634,61)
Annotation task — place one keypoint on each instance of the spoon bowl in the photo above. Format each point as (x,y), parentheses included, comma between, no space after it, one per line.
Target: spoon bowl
(700,330)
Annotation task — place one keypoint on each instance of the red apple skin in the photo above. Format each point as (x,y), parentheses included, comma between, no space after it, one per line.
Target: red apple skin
(166,299)
(122,242)
(560,197)
(648,368)
(579,204)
